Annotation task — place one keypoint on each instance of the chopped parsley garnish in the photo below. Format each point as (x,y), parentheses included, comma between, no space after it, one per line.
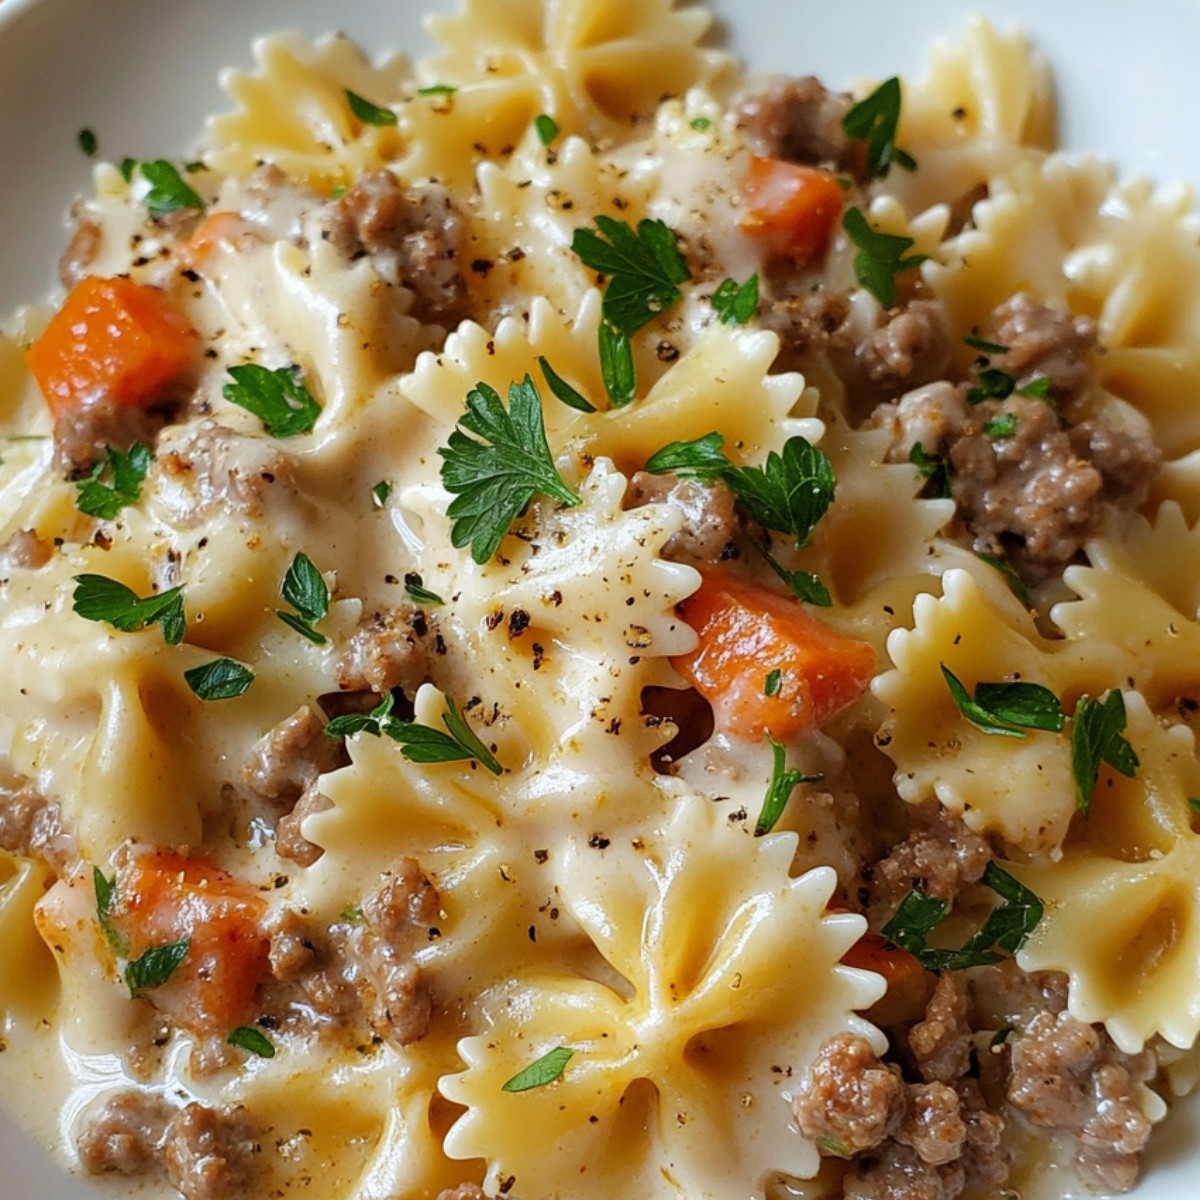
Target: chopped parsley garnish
(789,494)
(1005,425)
(984,346)
(168,191)
(784,781)
(114,482)
(246,1037)
(547,128)
(874,120)
(995,384)
(562,390)
(773,682)
(935,469)
(419,743)
(736,303)
(880,258)
(127,166)
(700,124)
(304,589)
(546,1070)
(617,368)
(1007,709)
(1097,736)
(644,269)
(368,113)
(1194,803)
(221,679)
(106,895)
(98,598)
(494,479)
(1007,570)
(381,492)
(1005,931)
(86,139)
(437,89)
(277,398)
(155,967)
(418,593)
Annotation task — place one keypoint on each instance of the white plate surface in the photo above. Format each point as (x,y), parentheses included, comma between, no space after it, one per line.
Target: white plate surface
(142,74)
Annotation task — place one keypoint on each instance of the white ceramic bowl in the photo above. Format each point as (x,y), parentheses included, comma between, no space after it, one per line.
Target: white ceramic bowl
(142,74)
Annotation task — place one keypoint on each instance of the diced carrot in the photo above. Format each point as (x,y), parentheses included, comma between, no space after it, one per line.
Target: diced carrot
(796,207)
(748,632)
(161,898)
(908,983)
(113,341)
(218,231)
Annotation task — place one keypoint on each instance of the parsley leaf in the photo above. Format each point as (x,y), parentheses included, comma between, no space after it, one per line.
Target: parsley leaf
(368,113)
(437,89)
(246,1037)
(127,166)
(1005,931)
(935,469)
(87,142)
(168,191)
(304,589)
(114,482)
(789,494)
(419,743)
(736,303)
(773,682)
(874,120)
(617,366)
(278,398)
(1005,425)
(546,1070)
(494,480)
(700,124)
(880,258)
(155,967)
(98,598)
(1097,736)
(418,593)
(106,894)
(1006,569)
(380,493)
(784,781)
(221,679)
(547,128)
(984,346)
(1007,709)
(643,269)
(562,390)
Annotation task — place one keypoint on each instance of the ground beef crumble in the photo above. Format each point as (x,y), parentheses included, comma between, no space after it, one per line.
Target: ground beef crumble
(800,120)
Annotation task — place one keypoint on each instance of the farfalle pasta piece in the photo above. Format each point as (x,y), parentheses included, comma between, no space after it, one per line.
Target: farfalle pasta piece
(1021,789)
(30,980)
(293,112)
(1120,252)
(702,1015)
(594,66)
(1121,905)
(984,104)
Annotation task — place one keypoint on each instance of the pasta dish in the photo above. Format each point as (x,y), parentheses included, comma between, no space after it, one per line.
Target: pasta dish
(579,621)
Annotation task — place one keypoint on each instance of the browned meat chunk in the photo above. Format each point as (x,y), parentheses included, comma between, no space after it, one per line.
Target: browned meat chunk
(378,950)
(709,519)
(210,470)
(288,759)
(941,856)
(209,1153)
(32,826)
(125,1138)
(850,1101)
(388,649)
(932,1124)
(82,433)
(24,550)
(901,1174)
(800,120)
(941,1042)
(1043,342)
(290,842)
(413,236)
(1068,1075)
(76,261)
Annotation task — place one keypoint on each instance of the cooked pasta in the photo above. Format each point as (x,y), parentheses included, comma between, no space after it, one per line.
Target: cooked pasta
(639,625)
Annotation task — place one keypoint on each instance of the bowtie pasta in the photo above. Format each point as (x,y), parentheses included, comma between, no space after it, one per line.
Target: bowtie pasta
(580,622)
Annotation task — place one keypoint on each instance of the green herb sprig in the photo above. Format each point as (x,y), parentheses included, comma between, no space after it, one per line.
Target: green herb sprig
(98,598)
(546,1069)
(168,192)
(784,781)
(114,483)
(368,113)
(221,679)
(495,475)
(246,1037)
(1097,736)
(1007,709)
(875,120)
(736,303)
(935,469)
(279,398)
(880,257)
(305,590)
